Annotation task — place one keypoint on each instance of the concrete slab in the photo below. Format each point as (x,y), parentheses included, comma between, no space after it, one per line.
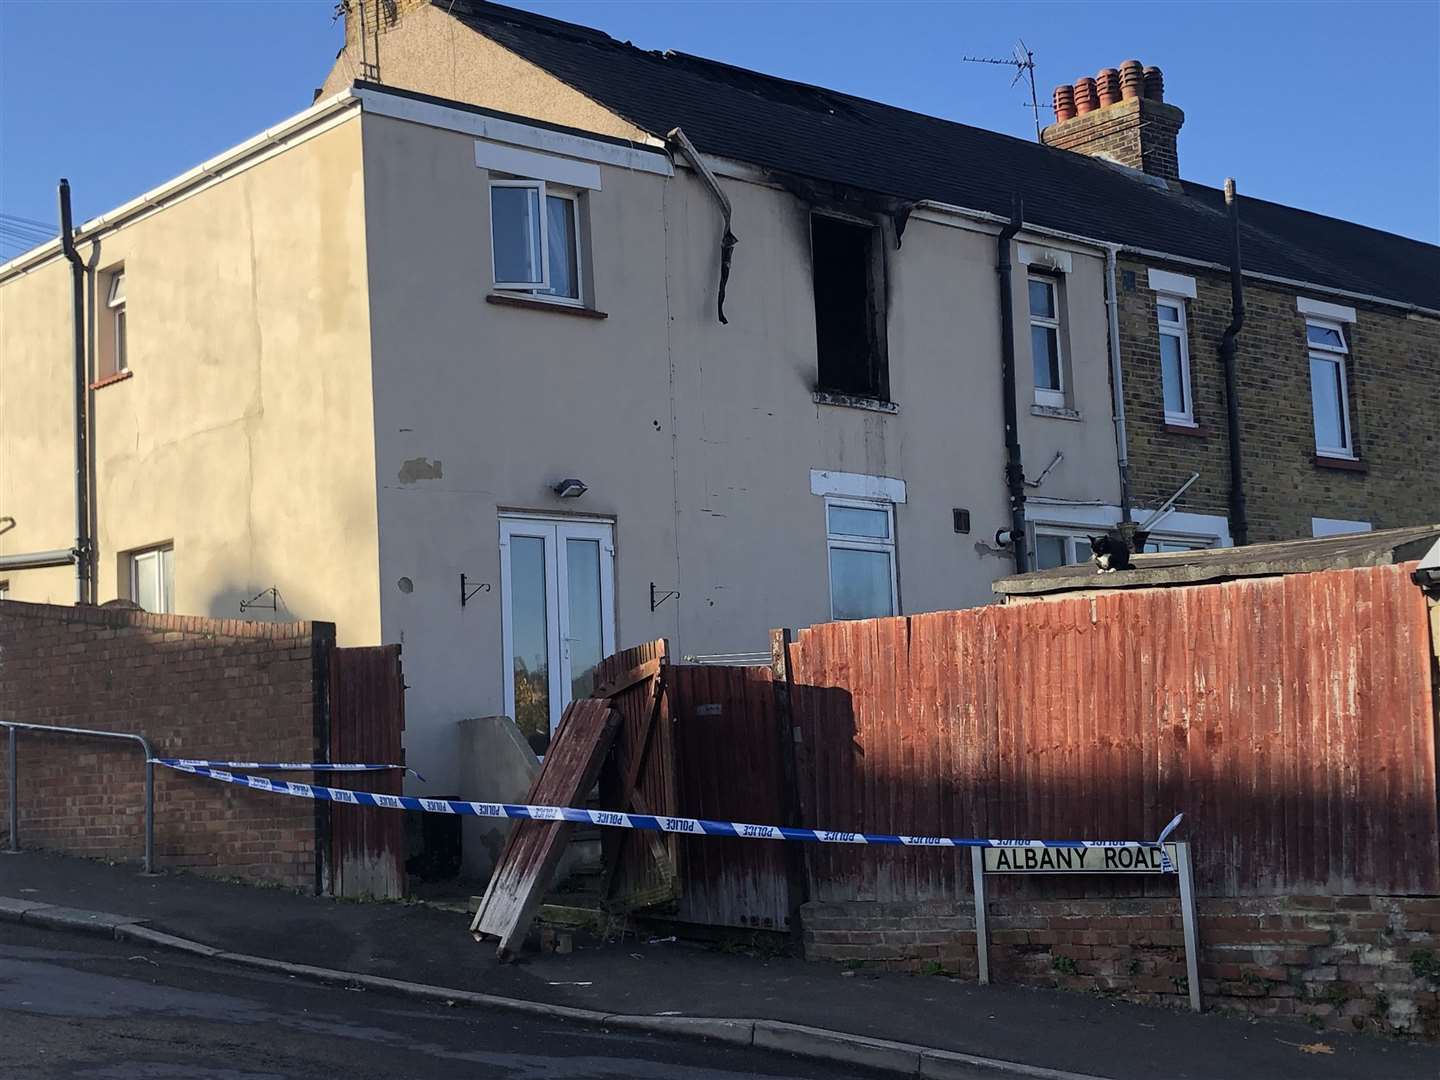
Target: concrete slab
(13,909)
(738,1032)
(65,918)
(838,1046)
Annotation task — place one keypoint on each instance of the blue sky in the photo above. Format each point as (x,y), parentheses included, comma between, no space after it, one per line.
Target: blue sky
(1334,107)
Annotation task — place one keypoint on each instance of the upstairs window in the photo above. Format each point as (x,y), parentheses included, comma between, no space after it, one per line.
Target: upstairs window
(861,543)
(152,579)
(111,338)
(1045,341)
(849,308)
(1329,390)
(1174,360)
(535,239)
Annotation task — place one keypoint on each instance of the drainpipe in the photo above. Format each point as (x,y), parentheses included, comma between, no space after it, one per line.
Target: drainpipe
(1117,385)
(1014,468)
(1239,526)
(77,307)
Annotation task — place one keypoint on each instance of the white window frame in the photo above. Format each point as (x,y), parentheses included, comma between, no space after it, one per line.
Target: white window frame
(166,602)
(1045,395)
(1181,332)
(1320,526)
(554,532)
(1079,543)
(540,291)
(115,303)
(1339,356)
(572,196)
(537,186)
(847,542)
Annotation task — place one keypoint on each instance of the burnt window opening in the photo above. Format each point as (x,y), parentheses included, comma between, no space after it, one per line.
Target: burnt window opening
(849,308)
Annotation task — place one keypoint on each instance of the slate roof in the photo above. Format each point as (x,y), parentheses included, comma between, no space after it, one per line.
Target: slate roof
(823,134)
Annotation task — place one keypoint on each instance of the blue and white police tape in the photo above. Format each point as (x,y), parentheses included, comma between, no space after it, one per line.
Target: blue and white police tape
(281,766)
(651,822)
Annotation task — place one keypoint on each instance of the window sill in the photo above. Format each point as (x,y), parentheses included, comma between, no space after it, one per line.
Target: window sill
(1055,412)
(853,401)
(1174,427)
(111,379)
(1343,464)
(536,304)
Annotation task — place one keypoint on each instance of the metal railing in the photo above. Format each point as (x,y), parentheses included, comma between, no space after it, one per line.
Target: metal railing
(14,727)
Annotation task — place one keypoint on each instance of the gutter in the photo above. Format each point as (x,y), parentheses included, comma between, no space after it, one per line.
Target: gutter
(38,560)
(82,482)
(1014,465)
(1239,525)
(1181,260)
(185,183)
(1117,386)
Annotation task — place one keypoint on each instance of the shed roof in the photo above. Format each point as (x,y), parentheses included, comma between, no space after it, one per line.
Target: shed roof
(821,134)
(1166,568)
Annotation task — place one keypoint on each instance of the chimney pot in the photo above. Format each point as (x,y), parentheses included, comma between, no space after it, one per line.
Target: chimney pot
(1154,84)
(1132,80)
(1107,84)
(1064,103)
(1086,100)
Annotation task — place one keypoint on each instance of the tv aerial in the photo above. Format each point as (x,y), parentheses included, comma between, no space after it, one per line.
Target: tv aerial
(1024,64)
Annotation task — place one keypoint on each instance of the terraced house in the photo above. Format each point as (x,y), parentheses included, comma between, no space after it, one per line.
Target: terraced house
(522,343)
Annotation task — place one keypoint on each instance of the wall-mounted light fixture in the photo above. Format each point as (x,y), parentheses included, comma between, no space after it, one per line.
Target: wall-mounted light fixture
(570,488)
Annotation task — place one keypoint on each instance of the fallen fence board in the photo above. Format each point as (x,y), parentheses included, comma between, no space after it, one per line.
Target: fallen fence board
(571,767)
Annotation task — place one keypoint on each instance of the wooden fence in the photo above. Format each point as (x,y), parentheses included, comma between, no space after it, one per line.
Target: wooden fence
(1292,719)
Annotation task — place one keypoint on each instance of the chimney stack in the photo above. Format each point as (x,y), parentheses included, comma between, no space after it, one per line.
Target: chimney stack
(1120,115)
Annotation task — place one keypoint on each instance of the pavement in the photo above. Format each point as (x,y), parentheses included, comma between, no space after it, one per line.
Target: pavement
(920,1025)
(75,1008)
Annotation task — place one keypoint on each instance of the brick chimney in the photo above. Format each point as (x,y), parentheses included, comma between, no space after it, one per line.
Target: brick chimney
(1119,115)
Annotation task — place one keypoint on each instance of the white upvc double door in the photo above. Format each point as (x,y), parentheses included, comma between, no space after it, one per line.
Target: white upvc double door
(558,615)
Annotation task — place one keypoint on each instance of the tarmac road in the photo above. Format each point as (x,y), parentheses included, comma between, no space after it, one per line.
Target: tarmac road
(92,1009)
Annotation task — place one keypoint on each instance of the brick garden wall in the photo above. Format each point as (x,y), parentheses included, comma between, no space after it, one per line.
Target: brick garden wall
(1394,367)
(197,688)
(1342,963)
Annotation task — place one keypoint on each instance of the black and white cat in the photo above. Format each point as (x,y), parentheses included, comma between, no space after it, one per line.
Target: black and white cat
(1112,553)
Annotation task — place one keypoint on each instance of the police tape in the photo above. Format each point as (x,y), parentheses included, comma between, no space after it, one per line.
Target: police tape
(650,822)
(280,766)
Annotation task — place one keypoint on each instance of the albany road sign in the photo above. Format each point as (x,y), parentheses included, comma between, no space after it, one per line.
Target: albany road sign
(1099,859)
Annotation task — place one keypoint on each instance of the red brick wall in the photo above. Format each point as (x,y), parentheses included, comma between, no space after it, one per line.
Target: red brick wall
(197,688)
(1343,963)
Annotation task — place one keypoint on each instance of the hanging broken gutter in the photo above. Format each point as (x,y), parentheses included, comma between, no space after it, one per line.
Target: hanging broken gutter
(1014,465)
(728,239)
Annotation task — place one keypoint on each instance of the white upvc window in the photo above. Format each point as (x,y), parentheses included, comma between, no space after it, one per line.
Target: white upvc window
(1174,360)
(1057,547)
(1045,341)
(1329,388)
(115,305)
(860,542)
(152,579)
(535,239)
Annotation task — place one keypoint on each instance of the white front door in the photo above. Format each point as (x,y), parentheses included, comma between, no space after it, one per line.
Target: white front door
(557,616)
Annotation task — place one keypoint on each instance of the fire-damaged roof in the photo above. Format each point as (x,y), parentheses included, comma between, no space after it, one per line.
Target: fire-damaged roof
(1382,548)
(820,134)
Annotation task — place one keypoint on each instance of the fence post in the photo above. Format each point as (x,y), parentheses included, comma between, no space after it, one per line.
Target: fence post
(1187,919)
(149,812)
(14,848)
(982,934)
(796,873)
